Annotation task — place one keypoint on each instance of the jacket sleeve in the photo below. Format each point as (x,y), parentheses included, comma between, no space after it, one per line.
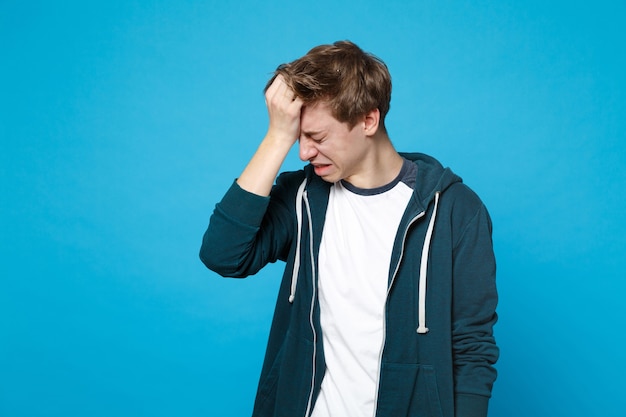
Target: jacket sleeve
(247,231)
(473,308)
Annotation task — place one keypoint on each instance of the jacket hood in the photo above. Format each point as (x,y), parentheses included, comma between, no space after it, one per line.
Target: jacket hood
(432,177)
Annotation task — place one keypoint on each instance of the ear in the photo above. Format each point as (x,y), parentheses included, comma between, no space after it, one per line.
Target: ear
(370,122)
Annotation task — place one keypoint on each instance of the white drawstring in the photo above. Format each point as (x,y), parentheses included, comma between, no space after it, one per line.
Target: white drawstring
(422,329)
(296,262)
(421,313)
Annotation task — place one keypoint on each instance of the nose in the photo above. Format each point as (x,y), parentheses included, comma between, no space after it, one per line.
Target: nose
(308,150)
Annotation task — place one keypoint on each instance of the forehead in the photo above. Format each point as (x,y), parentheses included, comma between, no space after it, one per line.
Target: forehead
(317,117)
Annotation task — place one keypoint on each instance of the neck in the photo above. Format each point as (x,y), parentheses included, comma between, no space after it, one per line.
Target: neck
(380,166)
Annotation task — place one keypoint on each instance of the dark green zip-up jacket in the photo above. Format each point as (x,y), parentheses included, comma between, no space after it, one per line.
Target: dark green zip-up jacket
(439,348)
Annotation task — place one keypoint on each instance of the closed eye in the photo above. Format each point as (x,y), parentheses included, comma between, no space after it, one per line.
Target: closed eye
(314,136)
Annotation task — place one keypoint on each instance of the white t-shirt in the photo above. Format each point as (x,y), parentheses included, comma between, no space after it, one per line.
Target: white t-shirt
(354,260)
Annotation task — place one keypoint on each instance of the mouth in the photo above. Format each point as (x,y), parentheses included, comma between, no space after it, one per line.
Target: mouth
(321,169)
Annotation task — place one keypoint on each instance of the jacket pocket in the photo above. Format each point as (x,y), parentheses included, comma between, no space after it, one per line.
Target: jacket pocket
(285,389)
(295,378)
(408,390)
(266,392)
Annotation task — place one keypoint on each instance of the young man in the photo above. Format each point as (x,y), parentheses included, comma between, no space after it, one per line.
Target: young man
(388,299)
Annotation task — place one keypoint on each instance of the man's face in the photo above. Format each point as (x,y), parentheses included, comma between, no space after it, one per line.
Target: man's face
(335,151)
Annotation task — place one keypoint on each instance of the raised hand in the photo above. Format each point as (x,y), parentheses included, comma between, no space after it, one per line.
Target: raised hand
(284,109)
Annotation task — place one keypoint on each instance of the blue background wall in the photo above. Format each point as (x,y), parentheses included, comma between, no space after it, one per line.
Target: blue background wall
(122,123)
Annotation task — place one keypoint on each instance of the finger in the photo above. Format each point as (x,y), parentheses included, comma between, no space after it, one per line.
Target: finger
(285,92)
(275,87)
(297,102)
(281,90)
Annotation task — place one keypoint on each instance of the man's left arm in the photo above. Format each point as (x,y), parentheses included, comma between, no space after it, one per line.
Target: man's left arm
(473,307)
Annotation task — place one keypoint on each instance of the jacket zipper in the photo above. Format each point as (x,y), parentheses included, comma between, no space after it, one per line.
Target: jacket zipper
(309,409)
(393,278)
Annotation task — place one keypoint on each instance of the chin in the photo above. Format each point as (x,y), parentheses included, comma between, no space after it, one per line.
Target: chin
(330,178)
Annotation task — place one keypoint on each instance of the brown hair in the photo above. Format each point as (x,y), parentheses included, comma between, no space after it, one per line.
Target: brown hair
(351,81)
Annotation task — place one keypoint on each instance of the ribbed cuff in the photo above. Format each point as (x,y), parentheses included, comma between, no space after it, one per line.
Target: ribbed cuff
(470,405)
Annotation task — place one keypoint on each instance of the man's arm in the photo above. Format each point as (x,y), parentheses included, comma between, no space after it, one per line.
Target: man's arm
(243,234)
(284,112)
(474,303)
